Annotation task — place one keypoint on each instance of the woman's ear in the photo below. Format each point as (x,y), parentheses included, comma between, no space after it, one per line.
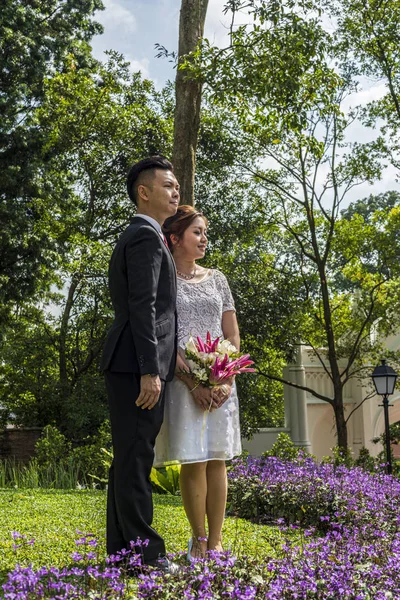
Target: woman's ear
(174,239)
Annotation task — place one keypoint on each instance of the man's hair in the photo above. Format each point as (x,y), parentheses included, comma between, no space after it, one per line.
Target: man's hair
(147,166)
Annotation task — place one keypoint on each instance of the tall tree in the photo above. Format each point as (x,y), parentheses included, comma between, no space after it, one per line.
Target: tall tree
(95,123)
(35,41)
(188,98)
(278,77)
(368,42)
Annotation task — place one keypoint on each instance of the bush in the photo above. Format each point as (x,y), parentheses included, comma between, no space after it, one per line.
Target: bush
(52,447)
(339,457)
(365,460)
(283,448)
(91,456)
(57,465)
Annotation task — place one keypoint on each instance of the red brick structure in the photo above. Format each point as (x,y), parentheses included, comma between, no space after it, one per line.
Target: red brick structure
(19,443)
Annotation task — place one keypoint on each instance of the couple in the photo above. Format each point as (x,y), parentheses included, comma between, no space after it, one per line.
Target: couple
(160,297)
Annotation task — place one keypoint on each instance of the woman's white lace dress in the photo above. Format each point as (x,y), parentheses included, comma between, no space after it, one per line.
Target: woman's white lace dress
(189,434)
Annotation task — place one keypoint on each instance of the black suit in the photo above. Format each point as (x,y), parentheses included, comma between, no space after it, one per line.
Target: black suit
(142,340)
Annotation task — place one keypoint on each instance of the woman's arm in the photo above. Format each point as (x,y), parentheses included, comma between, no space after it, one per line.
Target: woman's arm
(230,328)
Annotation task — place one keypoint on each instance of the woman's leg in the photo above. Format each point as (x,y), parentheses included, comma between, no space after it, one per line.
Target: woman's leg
(216,502)
(193,481)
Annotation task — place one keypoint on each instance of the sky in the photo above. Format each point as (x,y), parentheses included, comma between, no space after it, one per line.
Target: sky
(133,27)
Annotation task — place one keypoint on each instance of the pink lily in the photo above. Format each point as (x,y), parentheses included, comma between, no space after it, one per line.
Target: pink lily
(214,345)
(200,344)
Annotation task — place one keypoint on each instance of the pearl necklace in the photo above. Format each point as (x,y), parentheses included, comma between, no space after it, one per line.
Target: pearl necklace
(187,277)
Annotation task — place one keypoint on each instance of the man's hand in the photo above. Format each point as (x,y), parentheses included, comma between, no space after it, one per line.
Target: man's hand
(150,389)
(202,397)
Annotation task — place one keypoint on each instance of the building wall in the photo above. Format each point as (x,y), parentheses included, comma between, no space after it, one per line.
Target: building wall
(310,418)
(263,440)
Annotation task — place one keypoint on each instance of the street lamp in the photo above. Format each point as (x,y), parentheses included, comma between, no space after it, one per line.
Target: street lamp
(384,378)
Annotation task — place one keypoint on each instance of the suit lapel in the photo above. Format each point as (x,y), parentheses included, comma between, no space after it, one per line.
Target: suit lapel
(166,249)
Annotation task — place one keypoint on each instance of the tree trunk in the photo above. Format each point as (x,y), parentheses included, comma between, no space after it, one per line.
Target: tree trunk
(64,329)
(341,426)
(188,99)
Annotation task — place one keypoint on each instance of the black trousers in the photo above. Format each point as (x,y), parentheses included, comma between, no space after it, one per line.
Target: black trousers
(129,500)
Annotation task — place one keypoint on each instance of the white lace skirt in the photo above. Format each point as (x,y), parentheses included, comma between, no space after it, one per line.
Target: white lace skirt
(190,435)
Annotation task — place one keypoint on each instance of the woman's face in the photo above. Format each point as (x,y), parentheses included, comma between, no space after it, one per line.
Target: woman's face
(193,243)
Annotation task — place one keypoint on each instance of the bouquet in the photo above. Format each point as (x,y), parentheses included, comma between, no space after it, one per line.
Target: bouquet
(213,362)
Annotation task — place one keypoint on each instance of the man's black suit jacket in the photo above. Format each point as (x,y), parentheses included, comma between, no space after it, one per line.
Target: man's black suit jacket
(142,280)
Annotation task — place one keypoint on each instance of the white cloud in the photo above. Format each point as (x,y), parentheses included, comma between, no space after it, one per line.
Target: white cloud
(117,17)
(141,65)
(369,91)
(217,23)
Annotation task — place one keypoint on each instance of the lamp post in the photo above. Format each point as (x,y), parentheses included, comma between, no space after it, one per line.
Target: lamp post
(384,378)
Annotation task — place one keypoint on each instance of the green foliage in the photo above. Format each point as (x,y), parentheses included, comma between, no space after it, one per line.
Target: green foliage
(99,460)
(341,457)
(365,460)
(35,40)
(280,81)
(166,480)
(57,465)
(65,475)
(52,447)
(368,39)
(93,456)
(284,448)
(242,245)
(95,122)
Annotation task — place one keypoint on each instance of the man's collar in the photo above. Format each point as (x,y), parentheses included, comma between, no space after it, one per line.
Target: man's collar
(152,221)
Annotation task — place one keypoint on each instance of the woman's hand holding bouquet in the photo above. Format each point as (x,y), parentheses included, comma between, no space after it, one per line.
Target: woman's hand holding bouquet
(214,364)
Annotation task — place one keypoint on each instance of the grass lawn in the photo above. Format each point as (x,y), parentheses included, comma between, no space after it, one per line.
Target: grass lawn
(51,518)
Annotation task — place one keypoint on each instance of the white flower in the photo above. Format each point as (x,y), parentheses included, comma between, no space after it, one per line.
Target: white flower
(207,358)
(191,346)
(201,374)
(191,364)
(226,347)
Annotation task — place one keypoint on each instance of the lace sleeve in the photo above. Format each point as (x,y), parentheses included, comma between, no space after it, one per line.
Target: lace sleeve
(223,286)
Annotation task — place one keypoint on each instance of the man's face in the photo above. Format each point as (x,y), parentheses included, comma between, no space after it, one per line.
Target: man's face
(162,194)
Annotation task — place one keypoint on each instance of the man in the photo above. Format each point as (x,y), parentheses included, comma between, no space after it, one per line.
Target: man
(140,354)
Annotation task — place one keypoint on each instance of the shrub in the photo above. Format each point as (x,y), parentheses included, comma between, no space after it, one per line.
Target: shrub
(166,479)
(283,448)
(91,457)
(52,447)
(365,460)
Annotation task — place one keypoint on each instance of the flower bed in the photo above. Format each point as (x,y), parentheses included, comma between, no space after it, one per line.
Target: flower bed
(350,550)
(327,568)
(312,494)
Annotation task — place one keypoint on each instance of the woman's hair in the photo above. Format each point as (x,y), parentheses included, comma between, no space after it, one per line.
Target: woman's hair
(177,225)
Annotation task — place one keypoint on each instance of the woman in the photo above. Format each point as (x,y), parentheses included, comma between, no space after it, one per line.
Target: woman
(201,425)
